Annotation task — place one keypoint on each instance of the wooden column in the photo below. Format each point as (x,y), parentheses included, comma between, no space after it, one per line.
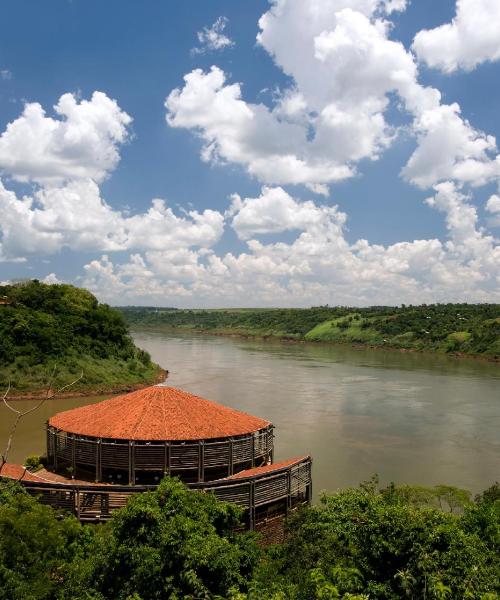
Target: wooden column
(54,441)
(130,466)
(77,502)
(309,486)
(73,456)
(98,461)
(230,469)
(50,456)
(251,507)
(201,460)
(132,472)
(271,454)
(253,449)
(166,459)
(289,490)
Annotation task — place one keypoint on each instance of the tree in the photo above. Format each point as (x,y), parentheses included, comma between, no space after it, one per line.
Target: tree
(385,545)
(36,548)
(173,543)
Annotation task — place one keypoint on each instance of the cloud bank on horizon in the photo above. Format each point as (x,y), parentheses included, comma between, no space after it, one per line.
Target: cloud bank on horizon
(348,79)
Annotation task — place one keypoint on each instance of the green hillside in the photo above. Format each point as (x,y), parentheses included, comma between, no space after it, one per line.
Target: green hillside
(472,329)
(46,327)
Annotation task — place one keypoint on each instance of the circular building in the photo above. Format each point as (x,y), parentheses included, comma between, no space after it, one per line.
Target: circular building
(139,437)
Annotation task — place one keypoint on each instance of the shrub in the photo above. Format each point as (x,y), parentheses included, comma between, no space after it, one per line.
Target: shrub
(33,462)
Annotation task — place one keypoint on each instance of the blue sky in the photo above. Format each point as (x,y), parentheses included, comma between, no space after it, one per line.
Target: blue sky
(260,233)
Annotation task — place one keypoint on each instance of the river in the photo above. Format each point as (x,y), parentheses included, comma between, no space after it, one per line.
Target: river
(410,418)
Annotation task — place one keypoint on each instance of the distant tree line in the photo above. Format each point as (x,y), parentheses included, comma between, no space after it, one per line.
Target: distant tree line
(464,328)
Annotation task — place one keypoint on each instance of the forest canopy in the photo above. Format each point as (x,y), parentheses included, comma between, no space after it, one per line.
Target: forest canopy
(173,543)
(45,327)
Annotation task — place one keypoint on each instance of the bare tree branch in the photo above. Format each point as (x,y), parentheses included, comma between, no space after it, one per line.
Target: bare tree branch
(19,414)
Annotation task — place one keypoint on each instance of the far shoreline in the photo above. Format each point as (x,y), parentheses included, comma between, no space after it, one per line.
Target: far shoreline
(291,340)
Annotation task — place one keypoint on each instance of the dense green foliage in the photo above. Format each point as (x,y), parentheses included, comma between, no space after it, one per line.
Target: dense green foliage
(173,544)
(43,326)
(36,549)
(466,328)
(387,544)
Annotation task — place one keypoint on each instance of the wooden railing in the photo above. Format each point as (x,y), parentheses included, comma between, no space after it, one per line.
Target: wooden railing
(70,450)
(291,485)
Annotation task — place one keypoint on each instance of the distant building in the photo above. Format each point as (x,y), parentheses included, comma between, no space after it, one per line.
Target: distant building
(99,454)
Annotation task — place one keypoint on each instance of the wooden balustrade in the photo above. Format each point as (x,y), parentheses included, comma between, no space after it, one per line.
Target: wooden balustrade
(97,502)
(69,450)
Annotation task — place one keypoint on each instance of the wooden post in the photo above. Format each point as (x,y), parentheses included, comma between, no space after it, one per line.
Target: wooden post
(132,472)
(98,461)
(271,454)
(201,460)
(77,499)
(309,485)
(165,459)
(73,456)
(130,482)
(251,507)
(289,490)
(50,455)
(54,440)
(253,449)
(230,456)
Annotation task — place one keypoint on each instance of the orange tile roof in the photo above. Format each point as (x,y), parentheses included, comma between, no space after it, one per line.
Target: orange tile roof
(258,471)
(157,413)
(18,472)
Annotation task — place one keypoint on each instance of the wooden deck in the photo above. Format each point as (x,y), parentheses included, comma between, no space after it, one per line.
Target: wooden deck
(263,492)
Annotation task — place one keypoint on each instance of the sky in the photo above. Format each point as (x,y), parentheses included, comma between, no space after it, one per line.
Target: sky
(267,153)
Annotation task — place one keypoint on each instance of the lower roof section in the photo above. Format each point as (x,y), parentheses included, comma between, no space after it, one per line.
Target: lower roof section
(42,476)
(269,469)
(21,474)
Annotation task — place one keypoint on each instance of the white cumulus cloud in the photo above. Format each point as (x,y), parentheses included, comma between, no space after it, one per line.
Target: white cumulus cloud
(493,204)
(275,211)
(493,207)
(450,148)
(344,68)
(318,266)
(75,216)
(81,143)
(472,37)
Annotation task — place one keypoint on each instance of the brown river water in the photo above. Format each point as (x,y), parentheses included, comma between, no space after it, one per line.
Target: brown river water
(411,418)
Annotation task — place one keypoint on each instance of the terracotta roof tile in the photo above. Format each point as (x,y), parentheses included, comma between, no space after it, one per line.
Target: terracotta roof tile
(258,471)
(18,472)
(157,413)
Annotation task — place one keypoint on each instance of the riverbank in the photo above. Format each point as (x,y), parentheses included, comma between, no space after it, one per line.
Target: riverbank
(97,390)
(468,330)
(247,335)
(52,335)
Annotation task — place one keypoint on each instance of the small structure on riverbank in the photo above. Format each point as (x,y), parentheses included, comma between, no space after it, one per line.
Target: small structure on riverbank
(99,454)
